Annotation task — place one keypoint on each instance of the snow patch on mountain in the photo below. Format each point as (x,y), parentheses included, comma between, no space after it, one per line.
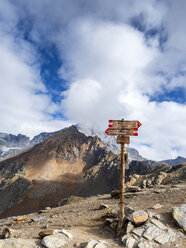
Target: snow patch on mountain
(109,141)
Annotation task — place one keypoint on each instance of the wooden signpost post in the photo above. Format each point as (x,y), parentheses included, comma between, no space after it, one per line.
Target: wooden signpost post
(122,129)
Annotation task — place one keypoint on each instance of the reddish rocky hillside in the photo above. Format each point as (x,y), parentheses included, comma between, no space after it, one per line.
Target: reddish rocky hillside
(66,163)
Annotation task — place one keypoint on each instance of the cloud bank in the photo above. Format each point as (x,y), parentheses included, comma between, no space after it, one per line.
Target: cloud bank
(120,59)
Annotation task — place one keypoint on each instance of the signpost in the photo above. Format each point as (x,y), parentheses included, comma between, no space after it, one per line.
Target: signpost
(123,140)
(122,129)
(124,124)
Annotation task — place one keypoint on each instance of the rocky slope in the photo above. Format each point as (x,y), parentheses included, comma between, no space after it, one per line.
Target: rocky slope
(66,163)
(91,221)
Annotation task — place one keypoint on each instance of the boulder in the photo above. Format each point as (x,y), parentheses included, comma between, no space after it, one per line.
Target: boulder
(17,243)
(128,241)
(168,236)
(45,233)
(55,241)
(179,215)
(136,217)
(63,231)
(92,243)
(159,233)
(8,233)
(129,227)
(159,178)
(103,206)
(152,232)
(133,179)
(146,244)
(149,183)
(143,184)
(158,223)
(138,231)
(128,211)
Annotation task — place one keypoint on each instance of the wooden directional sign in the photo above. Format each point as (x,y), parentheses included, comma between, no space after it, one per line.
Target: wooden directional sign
(124,124)
(119,131)
(123,140)
(122,129)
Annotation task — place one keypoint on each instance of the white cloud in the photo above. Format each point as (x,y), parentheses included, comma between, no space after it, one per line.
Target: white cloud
(25,106)
(118,59)
(111,67)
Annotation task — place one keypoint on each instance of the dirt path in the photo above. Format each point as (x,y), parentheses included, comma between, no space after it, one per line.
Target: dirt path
(83,219)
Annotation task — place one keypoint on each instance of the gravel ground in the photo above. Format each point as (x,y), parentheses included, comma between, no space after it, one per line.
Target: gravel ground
(83,218)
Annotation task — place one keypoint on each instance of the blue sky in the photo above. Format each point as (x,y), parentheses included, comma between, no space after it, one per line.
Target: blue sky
(65,62)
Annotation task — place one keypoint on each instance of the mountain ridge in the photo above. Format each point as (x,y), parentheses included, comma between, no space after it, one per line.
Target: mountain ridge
(110,142)
(173,162)
(66,163)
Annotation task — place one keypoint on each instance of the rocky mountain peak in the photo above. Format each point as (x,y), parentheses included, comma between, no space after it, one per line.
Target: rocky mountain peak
(66,163)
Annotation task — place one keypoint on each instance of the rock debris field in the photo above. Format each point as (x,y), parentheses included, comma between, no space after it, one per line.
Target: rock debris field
(92,222)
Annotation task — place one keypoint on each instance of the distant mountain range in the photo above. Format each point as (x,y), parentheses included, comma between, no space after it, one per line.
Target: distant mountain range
(11,145)
(173,162)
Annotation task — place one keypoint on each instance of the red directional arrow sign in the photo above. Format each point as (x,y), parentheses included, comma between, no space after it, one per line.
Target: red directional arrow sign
(123,128)
(124,124)
(107,131)
(125,132)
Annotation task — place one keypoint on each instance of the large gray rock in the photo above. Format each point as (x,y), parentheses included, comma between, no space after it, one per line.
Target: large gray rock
(55,241)
(179,215)
(146,244)
(92,243)
(17,243)
(159,178)
(152,232)
(138,231)
(159,234)
(63,231)
(129,227)
(128,241)
(45,233)
(136,217)
(158,223)
(165,237)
